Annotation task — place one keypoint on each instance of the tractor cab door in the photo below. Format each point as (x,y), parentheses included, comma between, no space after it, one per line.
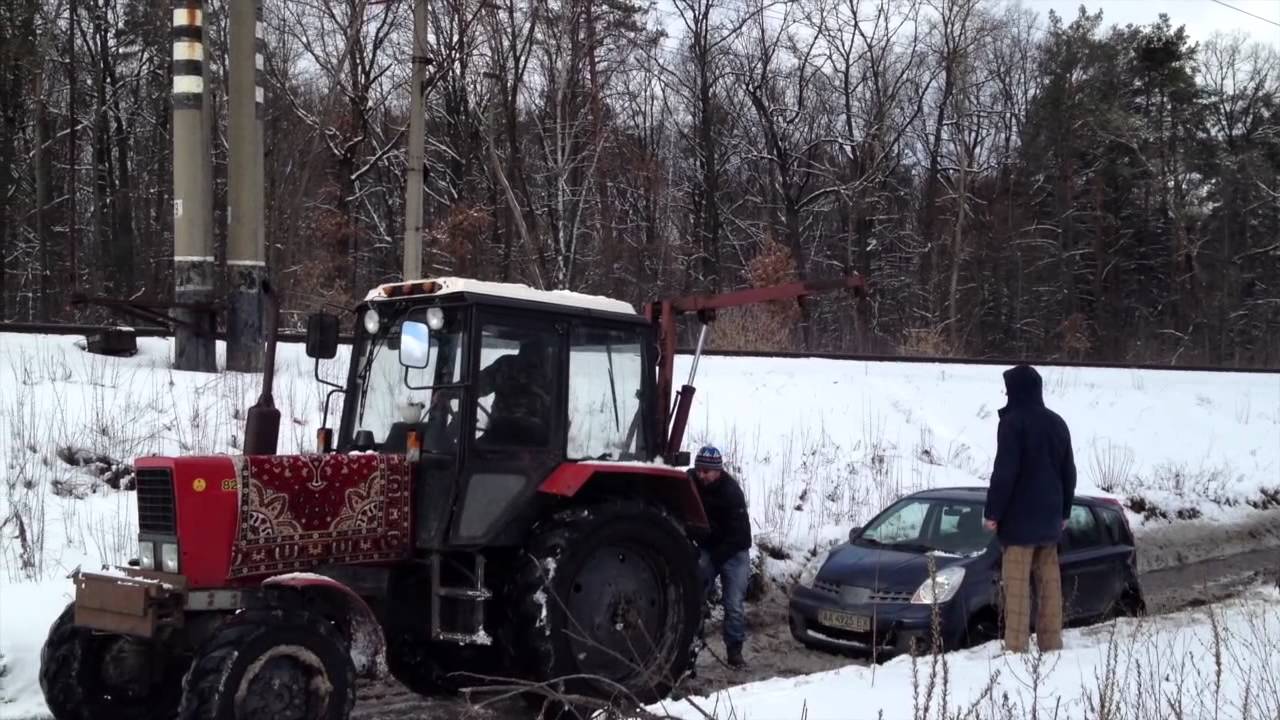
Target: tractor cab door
(410,380)
(515,412)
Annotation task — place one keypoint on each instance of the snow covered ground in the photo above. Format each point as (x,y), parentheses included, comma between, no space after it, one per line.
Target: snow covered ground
(1217,661)
(819,445)
(825,444)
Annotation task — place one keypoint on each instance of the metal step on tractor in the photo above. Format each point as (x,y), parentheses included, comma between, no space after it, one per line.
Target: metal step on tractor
(504,500)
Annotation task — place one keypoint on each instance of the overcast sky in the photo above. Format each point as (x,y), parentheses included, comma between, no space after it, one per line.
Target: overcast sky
(1201,17)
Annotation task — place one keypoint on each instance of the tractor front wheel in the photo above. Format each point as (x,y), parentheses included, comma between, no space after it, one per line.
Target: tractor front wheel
(271,665)
(85,674)
(609,599)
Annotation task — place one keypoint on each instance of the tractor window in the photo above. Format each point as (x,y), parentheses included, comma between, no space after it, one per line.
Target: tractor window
(516,387)
(605,371)
(392,393)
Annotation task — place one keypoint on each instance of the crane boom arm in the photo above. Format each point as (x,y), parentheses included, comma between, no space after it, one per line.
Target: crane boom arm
(664,313)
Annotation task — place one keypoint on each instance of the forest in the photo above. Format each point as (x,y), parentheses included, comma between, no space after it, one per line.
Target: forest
(1010,184)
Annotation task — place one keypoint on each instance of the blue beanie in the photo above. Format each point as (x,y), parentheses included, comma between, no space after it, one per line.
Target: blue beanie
(709,457)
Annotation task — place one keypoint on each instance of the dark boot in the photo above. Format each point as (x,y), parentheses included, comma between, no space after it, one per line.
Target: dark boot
(735,656)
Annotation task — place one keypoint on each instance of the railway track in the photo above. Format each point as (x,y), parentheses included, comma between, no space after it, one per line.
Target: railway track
(293,336)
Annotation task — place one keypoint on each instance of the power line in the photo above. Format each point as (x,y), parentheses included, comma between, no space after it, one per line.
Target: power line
(1246,12)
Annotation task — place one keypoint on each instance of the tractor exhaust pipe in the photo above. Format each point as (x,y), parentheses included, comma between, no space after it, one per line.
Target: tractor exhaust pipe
(262,426)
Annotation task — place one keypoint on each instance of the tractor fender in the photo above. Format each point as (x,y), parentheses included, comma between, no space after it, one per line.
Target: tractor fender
(345,606)
(670,486)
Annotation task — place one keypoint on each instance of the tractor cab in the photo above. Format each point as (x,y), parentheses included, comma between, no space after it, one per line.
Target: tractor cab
(489,387)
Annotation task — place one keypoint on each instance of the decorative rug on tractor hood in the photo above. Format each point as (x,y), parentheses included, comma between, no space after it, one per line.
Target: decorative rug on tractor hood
(300,511)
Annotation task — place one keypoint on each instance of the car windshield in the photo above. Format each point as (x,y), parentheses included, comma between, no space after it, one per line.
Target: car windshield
(390,392)
(928,525)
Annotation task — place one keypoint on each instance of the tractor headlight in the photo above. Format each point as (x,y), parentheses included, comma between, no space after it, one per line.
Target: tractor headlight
(371,321)
(435,318)
(941,587)
(169,557)
(147,555)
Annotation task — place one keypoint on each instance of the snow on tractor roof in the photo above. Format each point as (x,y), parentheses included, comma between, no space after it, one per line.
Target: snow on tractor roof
(450,285)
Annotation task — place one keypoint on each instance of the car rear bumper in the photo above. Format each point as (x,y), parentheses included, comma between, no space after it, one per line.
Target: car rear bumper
(893,628)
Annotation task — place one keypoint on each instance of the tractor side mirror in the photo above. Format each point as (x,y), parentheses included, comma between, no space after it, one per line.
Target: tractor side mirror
(322,336)
(854,533)
(415,344)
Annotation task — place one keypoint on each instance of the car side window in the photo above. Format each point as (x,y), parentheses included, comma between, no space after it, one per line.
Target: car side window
(1083,530)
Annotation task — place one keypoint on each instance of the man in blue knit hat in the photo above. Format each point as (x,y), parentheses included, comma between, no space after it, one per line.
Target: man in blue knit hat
(725,549)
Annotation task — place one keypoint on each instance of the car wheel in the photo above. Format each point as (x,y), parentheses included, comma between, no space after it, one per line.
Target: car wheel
(983,627)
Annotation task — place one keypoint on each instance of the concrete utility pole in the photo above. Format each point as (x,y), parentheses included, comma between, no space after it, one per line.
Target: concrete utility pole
(246,248)
(413,181)
(194,338)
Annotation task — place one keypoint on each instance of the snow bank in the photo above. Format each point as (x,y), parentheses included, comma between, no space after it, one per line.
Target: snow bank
(1157,667)
(823,445)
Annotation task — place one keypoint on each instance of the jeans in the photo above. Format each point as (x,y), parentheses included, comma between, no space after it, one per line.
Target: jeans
(733,574)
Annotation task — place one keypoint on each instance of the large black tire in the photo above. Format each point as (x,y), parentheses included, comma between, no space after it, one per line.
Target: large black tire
(76,668)
(608,603)
(277,664)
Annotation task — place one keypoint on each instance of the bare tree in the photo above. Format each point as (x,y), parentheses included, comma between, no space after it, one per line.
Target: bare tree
(352,44)
(698,82)
(782,75)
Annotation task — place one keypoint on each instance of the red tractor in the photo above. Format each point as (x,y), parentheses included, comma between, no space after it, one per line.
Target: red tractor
(504,497)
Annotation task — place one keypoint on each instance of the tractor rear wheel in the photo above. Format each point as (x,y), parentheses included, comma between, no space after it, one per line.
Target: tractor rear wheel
(609,599)
(271,665)
(85,674)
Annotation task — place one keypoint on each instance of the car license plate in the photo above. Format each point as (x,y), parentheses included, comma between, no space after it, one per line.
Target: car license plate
(844,620)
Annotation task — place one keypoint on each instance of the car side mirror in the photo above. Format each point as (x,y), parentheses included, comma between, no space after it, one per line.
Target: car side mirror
(415,344)
(854,533)
(322,336)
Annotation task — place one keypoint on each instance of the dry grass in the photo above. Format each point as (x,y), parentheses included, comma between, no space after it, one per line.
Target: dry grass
(1111,465)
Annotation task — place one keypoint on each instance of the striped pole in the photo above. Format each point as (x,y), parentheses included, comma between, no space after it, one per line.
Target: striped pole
(246,248)
(192,194)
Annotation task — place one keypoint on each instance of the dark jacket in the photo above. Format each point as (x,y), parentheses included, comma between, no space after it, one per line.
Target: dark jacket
(726,509)
(1034,478)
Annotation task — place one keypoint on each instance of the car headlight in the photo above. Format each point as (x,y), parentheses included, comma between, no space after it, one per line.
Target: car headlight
(147,555)
(169,557)
(941,587)
(808,580)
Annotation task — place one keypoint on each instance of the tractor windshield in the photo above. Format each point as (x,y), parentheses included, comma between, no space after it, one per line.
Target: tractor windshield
(390,393)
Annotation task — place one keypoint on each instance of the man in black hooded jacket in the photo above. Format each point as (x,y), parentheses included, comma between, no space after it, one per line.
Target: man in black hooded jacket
(1033,484)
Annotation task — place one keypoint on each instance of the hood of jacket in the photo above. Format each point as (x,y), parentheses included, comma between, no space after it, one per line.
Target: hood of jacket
(1024,388)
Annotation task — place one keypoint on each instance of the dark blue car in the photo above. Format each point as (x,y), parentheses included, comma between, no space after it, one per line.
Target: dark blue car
(874,594)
